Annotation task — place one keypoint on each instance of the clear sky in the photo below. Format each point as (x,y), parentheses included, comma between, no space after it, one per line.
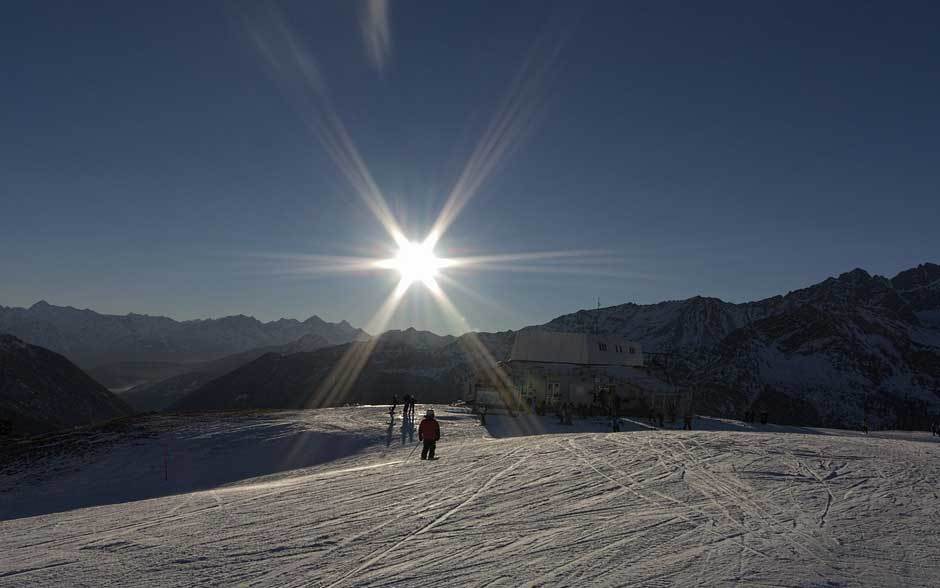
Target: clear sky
(158,157)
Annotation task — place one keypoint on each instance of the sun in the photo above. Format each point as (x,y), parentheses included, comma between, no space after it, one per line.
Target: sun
(416,262)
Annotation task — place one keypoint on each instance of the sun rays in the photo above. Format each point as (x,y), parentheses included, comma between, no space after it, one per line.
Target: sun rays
(296,71)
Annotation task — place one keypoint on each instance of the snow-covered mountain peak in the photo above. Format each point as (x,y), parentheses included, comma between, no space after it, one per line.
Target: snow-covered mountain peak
(925,275)
(920,289)
(855,275)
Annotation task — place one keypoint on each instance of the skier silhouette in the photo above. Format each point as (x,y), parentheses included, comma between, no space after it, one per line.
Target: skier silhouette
(429,431)
(409,406)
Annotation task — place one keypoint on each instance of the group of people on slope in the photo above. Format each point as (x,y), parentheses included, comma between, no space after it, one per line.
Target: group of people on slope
(407,406)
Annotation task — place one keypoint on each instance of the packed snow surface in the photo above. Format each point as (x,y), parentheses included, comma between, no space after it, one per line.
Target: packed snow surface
(336,498)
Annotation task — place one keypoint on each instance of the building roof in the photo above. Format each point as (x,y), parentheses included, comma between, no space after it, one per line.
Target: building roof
(575,348)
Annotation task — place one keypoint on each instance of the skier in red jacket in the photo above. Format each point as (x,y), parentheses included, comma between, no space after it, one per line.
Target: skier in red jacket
(429,432)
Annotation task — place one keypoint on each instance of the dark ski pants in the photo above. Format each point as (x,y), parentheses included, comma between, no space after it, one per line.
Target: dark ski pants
(427,452)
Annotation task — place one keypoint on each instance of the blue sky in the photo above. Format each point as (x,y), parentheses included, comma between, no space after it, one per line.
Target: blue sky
(151,161)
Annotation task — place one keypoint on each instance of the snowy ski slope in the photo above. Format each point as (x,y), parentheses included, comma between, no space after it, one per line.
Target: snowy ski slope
(720,507)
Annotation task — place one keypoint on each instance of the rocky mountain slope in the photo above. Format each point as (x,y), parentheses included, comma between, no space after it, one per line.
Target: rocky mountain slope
(667,326)
(91,339)
(42,391)
(842,352)
(920,289)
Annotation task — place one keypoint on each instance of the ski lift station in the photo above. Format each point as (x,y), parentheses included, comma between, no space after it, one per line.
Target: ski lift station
(548,368)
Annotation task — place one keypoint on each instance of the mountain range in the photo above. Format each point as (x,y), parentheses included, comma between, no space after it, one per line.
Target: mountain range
(142,342)
(851,349)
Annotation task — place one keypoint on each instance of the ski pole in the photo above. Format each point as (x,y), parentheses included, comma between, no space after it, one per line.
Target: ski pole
(412,452)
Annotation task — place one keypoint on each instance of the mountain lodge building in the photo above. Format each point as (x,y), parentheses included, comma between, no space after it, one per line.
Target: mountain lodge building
(600,373)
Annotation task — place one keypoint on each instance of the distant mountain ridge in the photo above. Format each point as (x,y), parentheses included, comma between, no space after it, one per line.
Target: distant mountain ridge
(42,391)
(912,296)
(849,349)
(91,339)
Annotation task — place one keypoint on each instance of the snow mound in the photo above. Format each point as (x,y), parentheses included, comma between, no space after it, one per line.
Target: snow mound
(162,455)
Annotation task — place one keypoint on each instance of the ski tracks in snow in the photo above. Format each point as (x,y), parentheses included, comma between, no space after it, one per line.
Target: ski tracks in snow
(651,508)
(378,556)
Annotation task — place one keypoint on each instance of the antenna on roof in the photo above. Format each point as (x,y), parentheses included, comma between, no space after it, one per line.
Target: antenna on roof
(597,313)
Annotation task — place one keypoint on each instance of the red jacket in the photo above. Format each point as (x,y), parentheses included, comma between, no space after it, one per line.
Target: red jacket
(429,430)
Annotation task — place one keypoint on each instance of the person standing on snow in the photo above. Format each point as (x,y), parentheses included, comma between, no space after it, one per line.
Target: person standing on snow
(429,431)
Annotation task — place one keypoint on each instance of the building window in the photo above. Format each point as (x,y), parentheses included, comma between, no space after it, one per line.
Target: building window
(632,351)
(619,348)
(552,393)
(602,346)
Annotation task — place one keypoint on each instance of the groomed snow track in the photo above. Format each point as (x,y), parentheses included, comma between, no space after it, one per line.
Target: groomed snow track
(644,508)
